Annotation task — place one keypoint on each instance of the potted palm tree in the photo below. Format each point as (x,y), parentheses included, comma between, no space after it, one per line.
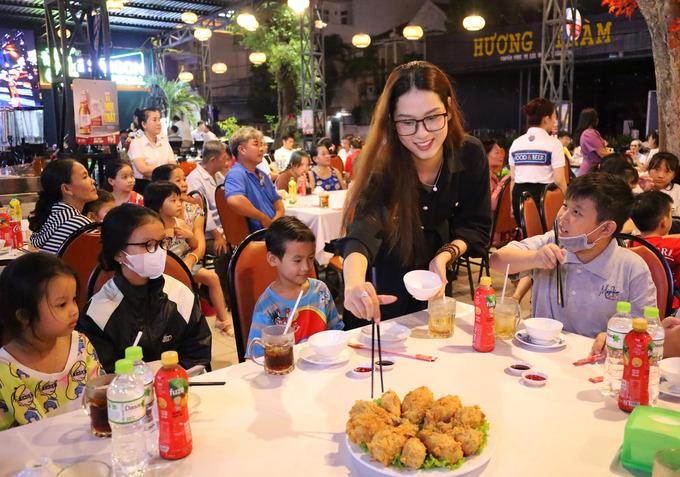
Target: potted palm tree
(175,98)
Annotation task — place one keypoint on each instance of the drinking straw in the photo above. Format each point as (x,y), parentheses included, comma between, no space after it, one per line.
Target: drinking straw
(292,313)
(505,282)
(139,336)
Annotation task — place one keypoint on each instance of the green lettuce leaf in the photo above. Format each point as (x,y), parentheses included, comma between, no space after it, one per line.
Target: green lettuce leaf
(397,462)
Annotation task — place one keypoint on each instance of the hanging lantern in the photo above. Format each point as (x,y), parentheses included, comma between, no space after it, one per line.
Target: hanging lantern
(202,34)
(68,33)
(189,18)
(185,76)
(247,21)
(361,40)
(114,5)
(473,23)
(413,32)
(219,68)
(257,58)
(319,24)
(298,6)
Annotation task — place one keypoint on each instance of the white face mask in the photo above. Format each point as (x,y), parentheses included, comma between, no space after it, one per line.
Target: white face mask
(148,264)
(578,243)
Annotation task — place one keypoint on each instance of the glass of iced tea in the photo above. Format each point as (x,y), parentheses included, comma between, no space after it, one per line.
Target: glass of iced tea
(323,200)
(278,349)
(94,403)
(442,313)
(507,317)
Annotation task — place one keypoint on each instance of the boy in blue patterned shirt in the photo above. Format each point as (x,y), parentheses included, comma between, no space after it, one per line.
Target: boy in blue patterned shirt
(290,249)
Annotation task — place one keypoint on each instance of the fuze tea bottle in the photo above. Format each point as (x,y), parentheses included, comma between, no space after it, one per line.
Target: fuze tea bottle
(172,394)
(485,314)
(638,348)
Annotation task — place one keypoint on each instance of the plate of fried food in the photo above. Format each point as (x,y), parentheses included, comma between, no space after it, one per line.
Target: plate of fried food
(419,435)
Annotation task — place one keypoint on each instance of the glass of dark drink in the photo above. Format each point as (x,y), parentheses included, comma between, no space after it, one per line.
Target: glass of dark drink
(278,349)
(94,403)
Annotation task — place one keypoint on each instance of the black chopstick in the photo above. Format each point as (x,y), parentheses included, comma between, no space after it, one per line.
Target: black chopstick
(372,355)
(375,286)
(207,383)
(560,292)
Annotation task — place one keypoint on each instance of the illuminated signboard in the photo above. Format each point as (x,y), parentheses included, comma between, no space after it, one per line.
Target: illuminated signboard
(126,69)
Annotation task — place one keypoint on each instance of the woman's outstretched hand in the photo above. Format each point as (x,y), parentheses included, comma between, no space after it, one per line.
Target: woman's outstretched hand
(363,302)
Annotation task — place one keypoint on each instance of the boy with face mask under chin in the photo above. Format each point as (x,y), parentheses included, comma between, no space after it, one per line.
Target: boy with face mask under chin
(596,272)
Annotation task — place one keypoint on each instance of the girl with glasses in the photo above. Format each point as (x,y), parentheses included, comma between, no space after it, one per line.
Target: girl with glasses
(420,197)
(140,297)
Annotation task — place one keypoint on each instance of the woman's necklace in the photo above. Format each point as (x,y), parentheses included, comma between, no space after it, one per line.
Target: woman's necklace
(436,179)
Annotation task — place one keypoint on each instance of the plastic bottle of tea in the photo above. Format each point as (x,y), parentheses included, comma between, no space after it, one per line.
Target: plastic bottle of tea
(638,348)
(292,191)
(172,395)
(485,314)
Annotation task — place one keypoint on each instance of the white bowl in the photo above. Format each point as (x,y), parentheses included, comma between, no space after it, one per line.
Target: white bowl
(519,367)
(670,369)
(534,379)
(387,364)
(361,370)
(422,284)
(543,330)
(329,344)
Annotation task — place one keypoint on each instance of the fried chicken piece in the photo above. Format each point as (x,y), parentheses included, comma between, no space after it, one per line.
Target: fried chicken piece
(390,402)
(443,410)
(413,453)
(362,427)
(385,444)
(407,428)
(361,407)
(470,416)
(416,403)
(470,439)
(442,446)
(441,427)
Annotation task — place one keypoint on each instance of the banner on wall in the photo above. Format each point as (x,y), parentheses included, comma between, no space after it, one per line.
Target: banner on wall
(95,104)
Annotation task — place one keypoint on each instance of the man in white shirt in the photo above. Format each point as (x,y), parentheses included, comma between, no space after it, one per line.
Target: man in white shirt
(208,135)
(197,134)
(634,152)
(344,147)
(216,159)
(282,154)
(183,130)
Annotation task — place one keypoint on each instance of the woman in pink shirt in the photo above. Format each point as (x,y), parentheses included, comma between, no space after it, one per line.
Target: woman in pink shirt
(593,147)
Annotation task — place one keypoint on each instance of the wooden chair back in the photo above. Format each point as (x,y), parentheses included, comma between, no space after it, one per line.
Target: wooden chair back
(235,225)
(81,251)
(249,276)
(552,200)
(530,217)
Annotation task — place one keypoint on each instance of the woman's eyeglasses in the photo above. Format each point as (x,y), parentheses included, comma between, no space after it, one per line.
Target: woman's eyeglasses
(408,127)
(152,245)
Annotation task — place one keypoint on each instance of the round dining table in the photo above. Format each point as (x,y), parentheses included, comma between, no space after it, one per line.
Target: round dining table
(326,223)
(260,425)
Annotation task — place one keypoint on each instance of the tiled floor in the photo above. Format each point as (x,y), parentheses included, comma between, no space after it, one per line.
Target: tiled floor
(224,348)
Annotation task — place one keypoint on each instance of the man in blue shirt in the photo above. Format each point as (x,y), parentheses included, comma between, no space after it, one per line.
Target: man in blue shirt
(249,191)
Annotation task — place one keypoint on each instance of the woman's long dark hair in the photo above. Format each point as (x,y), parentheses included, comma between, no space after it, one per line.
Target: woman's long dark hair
(54,174)
(386,181)
(587,119)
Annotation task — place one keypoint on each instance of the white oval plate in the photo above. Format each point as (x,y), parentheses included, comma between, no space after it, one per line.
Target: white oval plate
(308,354)
(524,338)
(473,462)
(667,388)
(389,332)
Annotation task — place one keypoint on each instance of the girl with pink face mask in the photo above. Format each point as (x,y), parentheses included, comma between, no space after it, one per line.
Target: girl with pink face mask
(140,297)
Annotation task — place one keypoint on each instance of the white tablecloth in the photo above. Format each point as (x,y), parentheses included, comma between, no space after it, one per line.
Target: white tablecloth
(260,425)
(325,223)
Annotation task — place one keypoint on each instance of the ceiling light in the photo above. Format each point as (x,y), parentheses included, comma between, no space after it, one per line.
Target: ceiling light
(185,76)
(361,40)
(189,18)
(114,5)
(257,58)
(298,6)
(247,21)
(202,34)
(473,22)
(413,32)
(219,68)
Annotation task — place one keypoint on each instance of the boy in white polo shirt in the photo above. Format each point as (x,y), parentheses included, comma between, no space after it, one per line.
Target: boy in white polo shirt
(596,272)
